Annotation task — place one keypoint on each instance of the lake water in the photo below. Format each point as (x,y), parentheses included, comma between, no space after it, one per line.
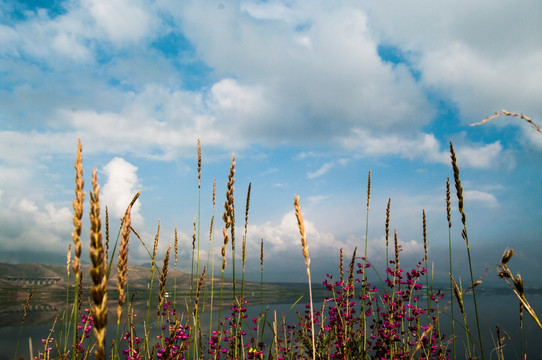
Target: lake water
(494,309)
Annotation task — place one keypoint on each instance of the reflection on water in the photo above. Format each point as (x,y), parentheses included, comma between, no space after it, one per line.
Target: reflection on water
(494,309)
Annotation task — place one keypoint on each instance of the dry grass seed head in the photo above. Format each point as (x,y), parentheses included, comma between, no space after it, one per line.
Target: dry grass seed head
(122,263)
(368,190)
(106,233)
(507,255)
(508,113)
(341,264)
(458,187)
(458,295)
(194,236)
(388,221)
(163,279)
(176,246)
(199,164)
(301,226)
(223,252)
(68,259)
(198,291)
(27,305)
(97,272)
(351,267)
(448,208)
(261,253)
(424,235)
(155,246)
(78,207)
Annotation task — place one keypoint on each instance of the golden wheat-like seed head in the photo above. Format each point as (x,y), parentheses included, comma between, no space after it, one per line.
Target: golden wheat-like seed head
(97,271)
(229,206)
(508,253)
(458,187)
(458,295)
(198,291)
(68,259)
(155,246)
(518,283)
(504,271)
(301,226)
(223,251)
(163,279)
(78,208)
(122,263)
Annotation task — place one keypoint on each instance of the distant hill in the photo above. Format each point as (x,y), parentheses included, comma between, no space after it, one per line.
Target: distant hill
(17,280)
(54,277)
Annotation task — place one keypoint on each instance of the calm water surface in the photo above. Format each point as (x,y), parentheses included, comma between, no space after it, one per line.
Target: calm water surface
(494,309)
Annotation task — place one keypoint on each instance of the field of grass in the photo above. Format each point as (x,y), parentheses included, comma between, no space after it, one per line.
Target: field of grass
(399,316)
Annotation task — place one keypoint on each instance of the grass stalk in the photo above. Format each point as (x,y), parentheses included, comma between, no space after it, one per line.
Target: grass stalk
(199,207)
(76,234)
(98,271)
(305,249)
(229,215)
(364,280)
(244,245)
(459,192)
(449,218)
(25,311)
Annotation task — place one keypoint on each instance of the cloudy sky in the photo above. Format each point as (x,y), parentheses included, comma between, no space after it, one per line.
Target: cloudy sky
(308,95)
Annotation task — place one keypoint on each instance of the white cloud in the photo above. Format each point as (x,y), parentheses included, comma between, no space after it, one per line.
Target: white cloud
(121,185)
(480,62)
(484,156)
(427,148)
(122,21)
(27,225)
(321,171)
(339,76)
(420,145)
(481,197)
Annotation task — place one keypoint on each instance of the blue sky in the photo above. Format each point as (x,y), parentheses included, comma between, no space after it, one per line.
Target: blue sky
(309,95)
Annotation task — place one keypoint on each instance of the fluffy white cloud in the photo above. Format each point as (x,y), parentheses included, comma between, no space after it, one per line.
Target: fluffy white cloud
(481,197)
(121,20)
(464,50)
(427,148)
(121,185)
